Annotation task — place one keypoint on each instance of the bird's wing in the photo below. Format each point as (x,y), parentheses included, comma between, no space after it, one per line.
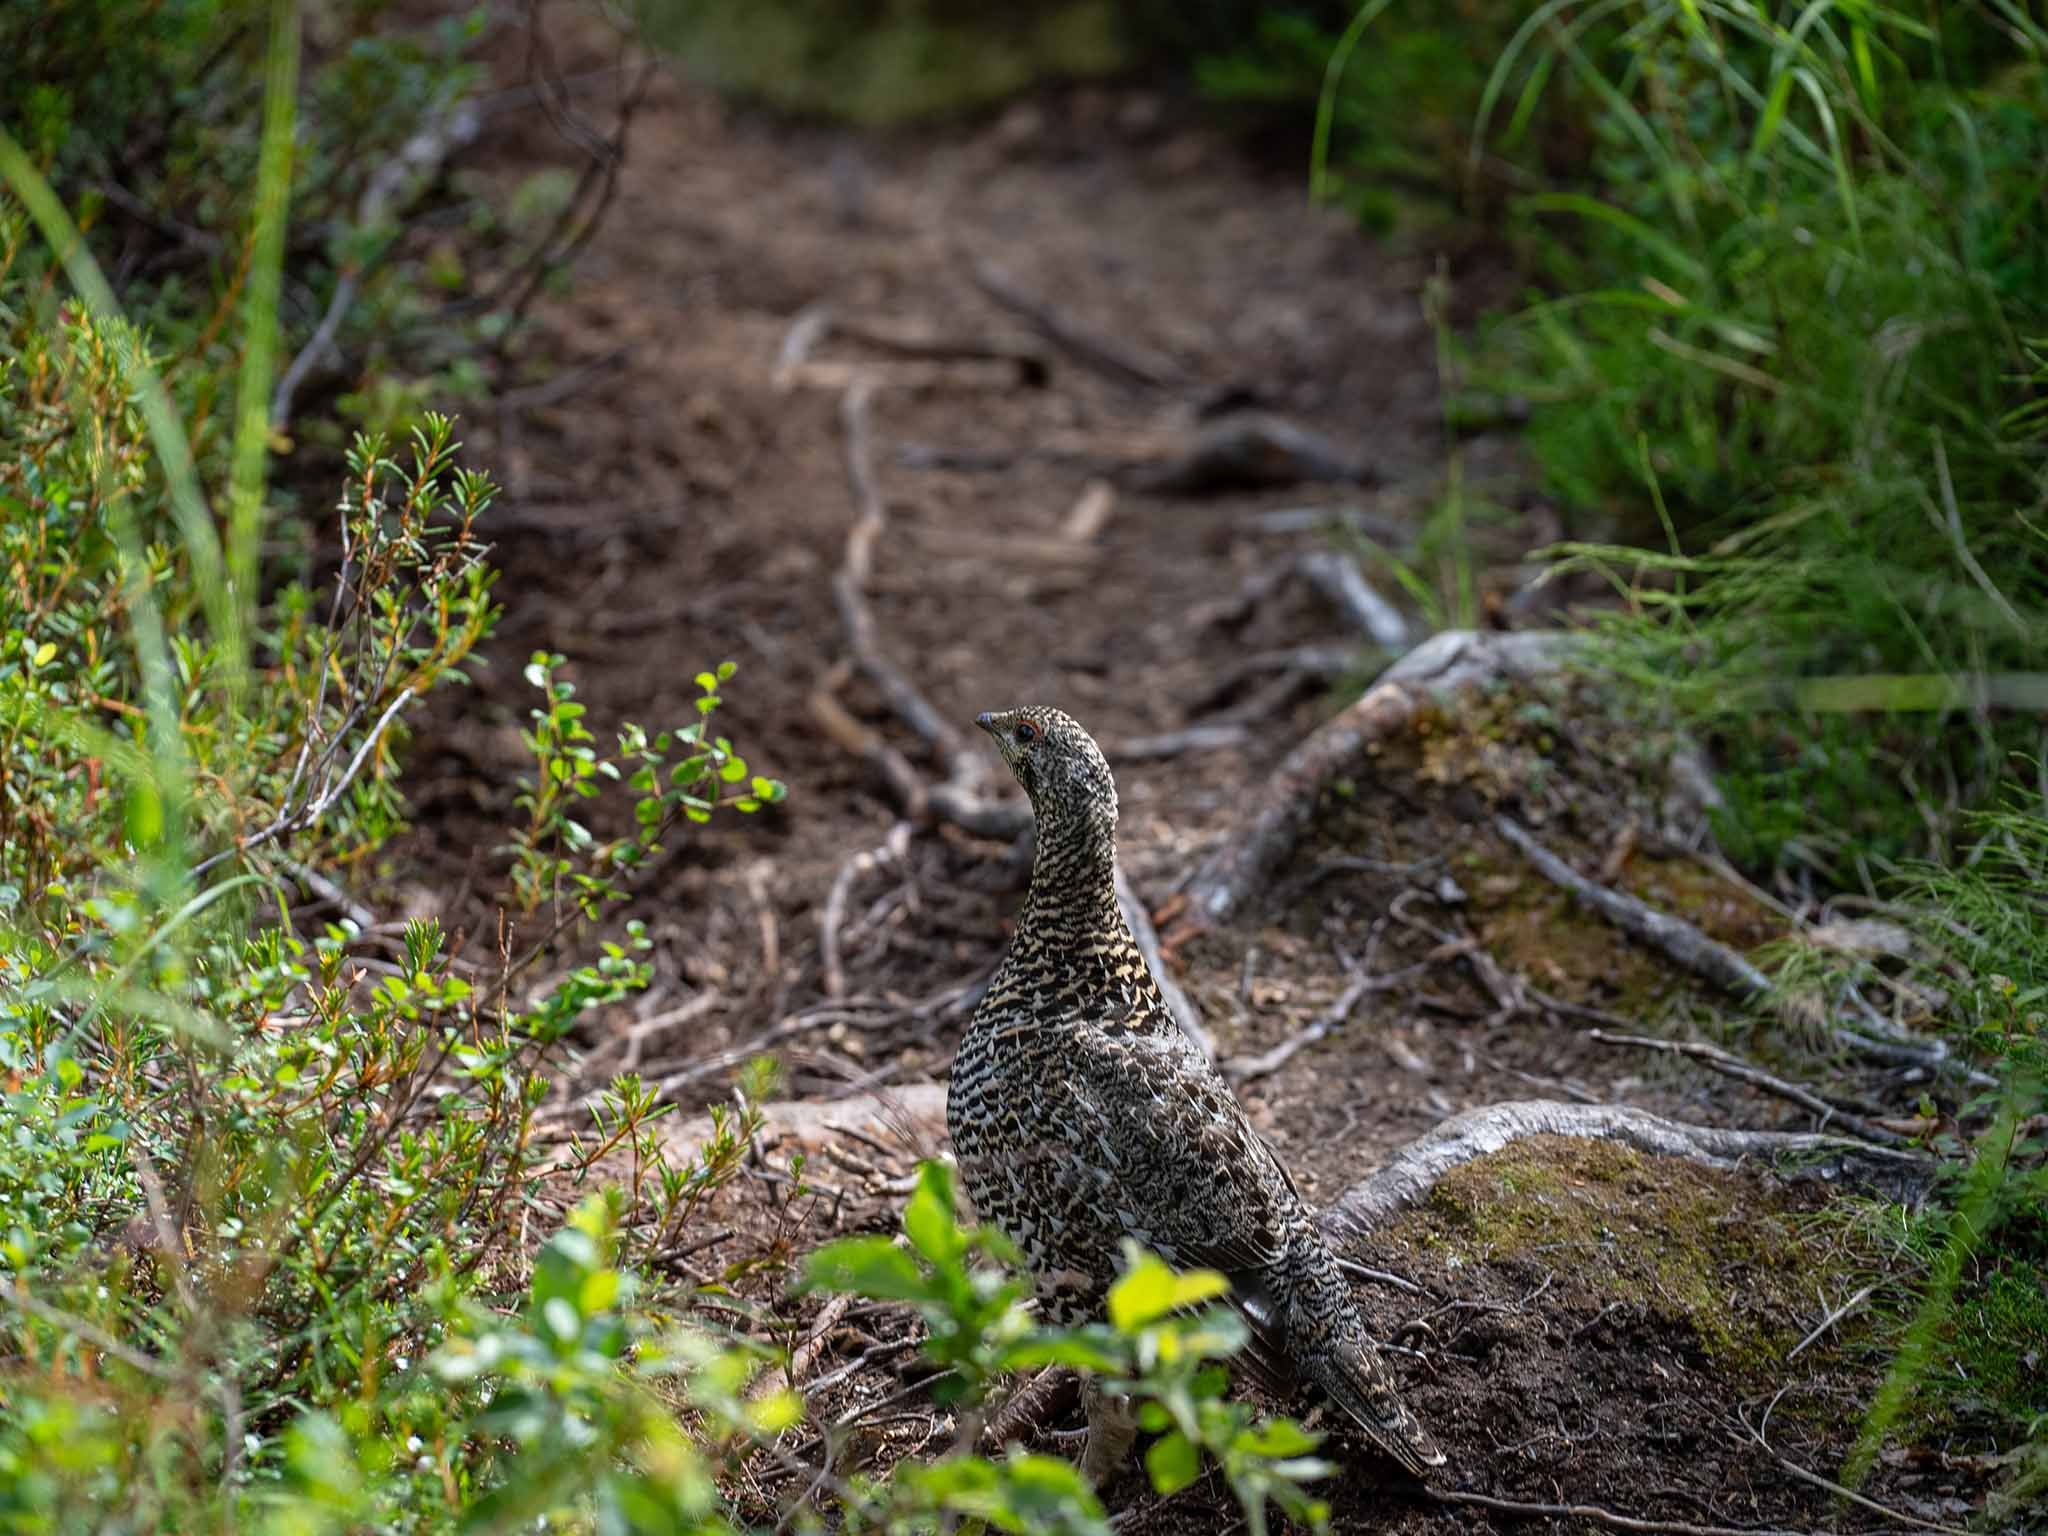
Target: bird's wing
(1168,1150)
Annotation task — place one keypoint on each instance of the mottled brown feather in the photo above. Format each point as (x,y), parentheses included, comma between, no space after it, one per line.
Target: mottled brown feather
(1081,1115)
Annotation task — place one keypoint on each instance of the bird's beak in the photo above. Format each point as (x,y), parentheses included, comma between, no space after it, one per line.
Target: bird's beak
(987,721)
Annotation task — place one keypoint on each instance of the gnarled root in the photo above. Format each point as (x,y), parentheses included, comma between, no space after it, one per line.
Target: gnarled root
(1416,1169)
(1435,670)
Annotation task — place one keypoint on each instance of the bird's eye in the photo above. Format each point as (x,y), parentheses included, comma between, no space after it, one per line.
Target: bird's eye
(1026,731)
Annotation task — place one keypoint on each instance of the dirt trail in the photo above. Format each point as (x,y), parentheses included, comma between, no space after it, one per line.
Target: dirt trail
(668,506)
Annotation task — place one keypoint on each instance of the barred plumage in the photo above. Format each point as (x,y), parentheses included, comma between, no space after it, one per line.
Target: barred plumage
(1081,1115)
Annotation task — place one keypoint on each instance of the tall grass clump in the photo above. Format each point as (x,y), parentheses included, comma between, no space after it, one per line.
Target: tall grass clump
(1965,1368)
(1794,350)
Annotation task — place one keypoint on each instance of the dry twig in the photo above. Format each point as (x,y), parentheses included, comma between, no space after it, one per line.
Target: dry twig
(1601,1517)
(1831,1319)
(1114,359)
(892,850)
(1814,1479)
(417,162)
(1731,1065)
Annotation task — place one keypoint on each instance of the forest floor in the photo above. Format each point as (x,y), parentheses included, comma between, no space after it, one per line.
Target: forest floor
(1587,1325)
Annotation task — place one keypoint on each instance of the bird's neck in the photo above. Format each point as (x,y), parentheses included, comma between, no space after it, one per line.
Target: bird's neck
(1073,883)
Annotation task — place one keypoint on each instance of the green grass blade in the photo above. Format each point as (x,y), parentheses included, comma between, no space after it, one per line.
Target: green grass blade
(1771,120)
(1839,156)
(259,343)
(1969,1225)
(1674,255)
(1326,99)
(1503,67)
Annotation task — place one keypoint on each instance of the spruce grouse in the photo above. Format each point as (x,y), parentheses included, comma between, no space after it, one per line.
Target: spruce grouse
(1081,1115)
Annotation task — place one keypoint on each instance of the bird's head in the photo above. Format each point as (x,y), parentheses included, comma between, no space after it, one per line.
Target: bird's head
(1060,767)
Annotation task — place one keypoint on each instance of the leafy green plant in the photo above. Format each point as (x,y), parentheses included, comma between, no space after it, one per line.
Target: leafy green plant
(1159,1344)
(255,1167)
(555,850)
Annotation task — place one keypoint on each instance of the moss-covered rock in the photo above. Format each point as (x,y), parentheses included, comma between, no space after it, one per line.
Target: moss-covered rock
(1725,1255)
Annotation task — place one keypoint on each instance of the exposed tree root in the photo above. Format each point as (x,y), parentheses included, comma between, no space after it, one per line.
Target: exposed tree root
(1678,940)
(1686,946)
(1415,1170)
(1434,670)
(959,798)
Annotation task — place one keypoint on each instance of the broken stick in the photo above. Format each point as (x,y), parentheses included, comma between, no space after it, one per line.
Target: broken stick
(1731,1065)
(1114,359)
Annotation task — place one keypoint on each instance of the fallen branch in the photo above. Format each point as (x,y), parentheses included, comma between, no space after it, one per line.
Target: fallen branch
(1195,738)
(1435,670)
(1243,1069)
(1115,360)
(1417,1168)
(892,850)
(1731,1065)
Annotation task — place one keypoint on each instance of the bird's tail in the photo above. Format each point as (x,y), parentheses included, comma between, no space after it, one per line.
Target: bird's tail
(1335,1352)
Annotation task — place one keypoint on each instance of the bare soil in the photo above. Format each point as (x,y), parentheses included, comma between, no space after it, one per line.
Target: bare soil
(1593,1327)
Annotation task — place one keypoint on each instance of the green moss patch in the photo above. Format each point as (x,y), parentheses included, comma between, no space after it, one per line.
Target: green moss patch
(1722,1254)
